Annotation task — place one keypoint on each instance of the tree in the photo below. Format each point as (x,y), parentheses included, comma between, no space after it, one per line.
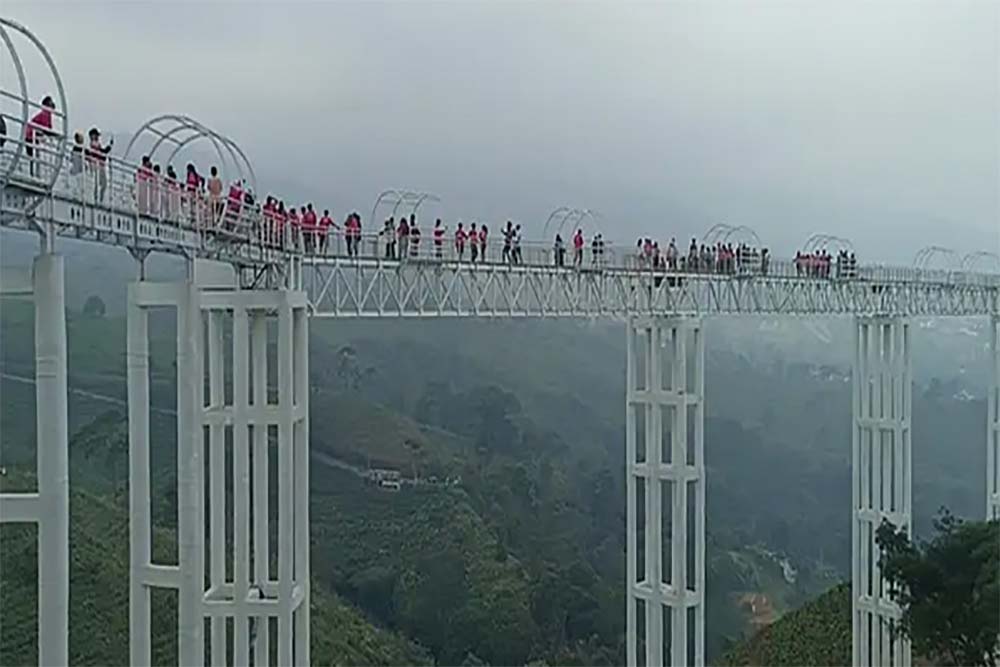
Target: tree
(948,588)
(94,306)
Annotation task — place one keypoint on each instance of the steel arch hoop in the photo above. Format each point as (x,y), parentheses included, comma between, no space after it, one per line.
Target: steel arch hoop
(743,228)
(232,147)
(552,215)
(179,144)
(970,259)
(422,198)
(716,229)
(60,91)
(204,132)
(24,97)
(581,215)
(382,195)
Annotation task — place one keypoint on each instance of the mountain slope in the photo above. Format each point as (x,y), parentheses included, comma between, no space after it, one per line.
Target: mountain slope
(818,633)
(99,599)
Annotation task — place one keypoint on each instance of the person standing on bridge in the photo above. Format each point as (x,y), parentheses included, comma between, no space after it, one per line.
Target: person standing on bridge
(473,243)
(559,251)
(403,236)
(143,175)
(483,233)
(389,234)
(460,237)
(508,240)
(325,223)
(215,194)
(39,126)
(516,251)
(578,244)
(309,229)
(439,231)
(97,157)
(414,238)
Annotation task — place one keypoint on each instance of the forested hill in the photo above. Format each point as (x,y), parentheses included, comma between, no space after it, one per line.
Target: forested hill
(818,633)
(505,544)
(99,575)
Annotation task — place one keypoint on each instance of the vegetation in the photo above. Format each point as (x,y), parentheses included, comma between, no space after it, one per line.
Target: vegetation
(949,589)
(818,633)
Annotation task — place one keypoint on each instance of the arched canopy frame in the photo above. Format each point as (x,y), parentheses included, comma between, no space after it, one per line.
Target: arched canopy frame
(820,240)
(577,216)
(973,260)
(180,131)
(925,258)
(60,113)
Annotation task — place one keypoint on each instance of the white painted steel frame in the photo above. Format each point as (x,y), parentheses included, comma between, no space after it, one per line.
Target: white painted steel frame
(373,288)
(48,508)
(235,415)
(881,475)
(993,425)
(659,395)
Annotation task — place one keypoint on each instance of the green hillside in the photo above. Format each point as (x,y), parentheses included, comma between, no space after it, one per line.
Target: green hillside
(818,633)
(99,598)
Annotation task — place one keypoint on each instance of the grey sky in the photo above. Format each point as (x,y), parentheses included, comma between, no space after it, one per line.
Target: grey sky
(877,121)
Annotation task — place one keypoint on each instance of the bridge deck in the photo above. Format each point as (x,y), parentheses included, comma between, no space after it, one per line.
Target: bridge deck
(432,281)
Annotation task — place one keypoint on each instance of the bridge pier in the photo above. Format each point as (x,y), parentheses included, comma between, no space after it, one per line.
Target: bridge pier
(48,506)
(881,487)
(665,480)
(993,424)
(235,427)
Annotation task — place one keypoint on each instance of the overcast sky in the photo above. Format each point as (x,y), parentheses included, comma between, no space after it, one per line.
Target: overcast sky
(875,121)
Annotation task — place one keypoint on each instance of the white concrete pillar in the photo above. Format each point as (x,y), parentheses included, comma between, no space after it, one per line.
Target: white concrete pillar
(53,460)
(993,425)
(238,421)
(882,487)
(665,479)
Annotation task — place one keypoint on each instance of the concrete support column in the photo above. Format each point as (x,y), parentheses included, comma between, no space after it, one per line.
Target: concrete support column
(993,424)
(881,474)
(231,425)
(665,479)
(53,460)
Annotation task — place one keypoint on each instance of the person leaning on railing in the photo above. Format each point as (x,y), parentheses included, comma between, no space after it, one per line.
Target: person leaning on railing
(39,126)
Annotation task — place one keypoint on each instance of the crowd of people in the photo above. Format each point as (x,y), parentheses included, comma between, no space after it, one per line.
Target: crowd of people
(207,203)
(817,264)
(703,258)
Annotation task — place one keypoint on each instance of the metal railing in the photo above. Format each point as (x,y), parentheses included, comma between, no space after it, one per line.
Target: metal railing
(99,180)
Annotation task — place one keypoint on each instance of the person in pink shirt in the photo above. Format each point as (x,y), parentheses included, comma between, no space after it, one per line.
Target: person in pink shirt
(325,223)
(460,237)
(578,248)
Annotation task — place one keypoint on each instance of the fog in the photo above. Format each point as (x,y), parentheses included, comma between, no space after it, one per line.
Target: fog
(874,121)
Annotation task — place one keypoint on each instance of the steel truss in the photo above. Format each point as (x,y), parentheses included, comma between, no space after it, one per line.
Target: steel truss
(373,288)
(882,482)
(665,479)
(223,343)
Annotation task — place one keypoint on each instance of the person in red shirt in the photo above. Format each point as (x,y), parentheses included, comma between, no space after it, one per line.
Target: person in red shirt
(39,126)
(309,228)
(473,245)
(483,231)
(578,248)
(460,237)
(325,223)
